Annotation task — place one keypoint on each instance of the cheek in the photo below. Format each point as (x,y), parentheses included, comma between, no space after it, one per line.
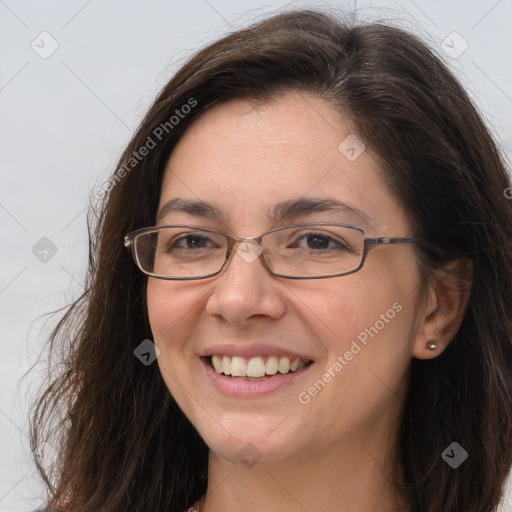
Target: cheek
(162,309)
(169,323)
(175,310)
(172,315)
(346,309)
(373,342)
(367,320)
(381,299)
(368,351)
(172,309)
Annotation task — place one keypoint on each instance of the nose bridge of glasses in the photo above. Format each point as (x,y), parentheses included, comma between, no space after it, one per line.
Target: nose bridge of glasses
(248,248)
(233,241)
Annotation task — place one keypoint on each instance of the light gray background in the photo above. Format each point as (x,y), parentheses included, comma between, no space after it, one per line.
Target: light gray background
(65,119)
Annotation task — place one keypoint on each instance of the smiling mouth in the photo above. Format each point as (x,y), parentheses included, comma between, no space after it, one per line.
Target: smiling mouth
(255,368)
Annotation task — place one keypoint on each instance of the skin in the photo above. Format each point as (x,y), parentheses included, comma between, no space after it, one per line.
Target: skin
(332,453)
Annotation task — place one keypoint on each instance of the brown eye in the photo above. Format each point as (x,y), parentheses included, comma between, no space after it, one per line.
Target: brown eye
(191,241)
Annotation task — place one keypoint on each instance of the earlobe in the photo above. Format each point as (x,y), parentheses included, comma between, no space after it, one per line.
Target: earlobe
(448,296)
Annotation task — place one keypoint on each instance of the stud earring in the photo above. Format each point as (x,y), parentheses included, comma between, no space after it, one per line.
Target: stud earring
(432,346)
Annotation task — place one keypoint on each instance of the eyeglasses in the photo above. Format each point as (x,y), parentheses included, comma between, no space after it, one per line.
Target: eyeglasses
(297,251)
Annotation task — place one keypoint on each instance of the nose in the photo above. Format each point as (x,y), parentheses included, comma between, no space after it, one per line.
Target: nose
(246,288)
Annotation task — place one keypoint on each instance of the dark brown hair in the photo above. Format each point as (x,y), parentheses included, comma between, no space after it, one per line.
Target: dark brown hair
(123,442)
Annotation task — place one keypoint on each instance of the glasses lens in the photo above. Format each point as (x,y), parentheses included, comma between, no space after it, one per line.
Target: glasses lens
(180,252)
(312,251)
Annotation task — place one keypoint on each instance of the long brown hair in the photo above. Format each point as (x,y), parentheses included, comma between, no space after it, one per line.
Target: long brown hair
(123,442)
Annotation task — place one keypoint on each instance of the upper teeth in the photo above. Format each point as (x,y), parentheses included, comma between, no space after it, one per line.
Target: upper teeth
(255,366)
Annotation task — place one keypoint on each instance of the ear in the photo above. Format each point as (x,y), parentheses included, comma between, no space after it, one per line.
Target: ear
(447,298)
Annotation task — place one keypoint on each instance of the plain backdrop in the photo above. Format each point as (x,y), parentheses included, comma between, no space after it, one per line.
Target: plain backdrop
(76,77)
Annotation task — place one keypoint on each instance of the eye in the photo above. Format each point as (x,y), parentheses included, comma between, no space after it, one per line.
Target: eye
(190,241)
(318,241)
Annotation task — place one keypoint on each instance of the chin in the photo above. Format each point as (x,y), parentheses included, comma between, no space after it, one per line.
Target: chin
(248,442)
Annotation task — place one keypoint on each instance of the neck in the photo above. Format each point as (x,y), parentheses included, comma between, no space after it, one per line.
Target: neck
(352,476)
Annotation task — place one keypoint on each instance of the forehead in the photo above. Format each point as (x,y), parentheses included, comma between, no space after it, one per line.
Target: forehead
(244,158)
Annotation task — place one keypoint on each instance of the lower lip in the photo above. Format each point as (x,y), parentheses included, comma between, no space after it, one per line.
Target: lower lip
(245,388)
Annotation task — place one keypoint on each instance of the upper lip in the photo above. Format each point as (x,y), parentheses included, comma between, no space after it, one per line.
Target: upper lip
(252,350)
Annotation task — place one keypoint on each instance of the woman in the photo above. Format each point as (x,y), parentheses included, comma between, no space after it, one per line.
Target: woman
(317,240)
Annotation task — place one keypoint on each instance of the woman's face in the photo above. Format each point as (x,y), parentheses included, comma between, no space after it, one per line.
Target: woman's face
(244,159)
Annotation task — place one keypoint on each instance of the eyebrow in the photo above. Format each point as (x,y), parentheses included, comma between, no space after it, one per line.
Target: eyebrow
(295,208)
(284,210)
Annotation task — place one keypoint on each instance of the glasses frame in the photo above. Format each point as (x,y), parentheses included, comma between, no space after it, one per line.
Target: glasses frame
(368,245)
